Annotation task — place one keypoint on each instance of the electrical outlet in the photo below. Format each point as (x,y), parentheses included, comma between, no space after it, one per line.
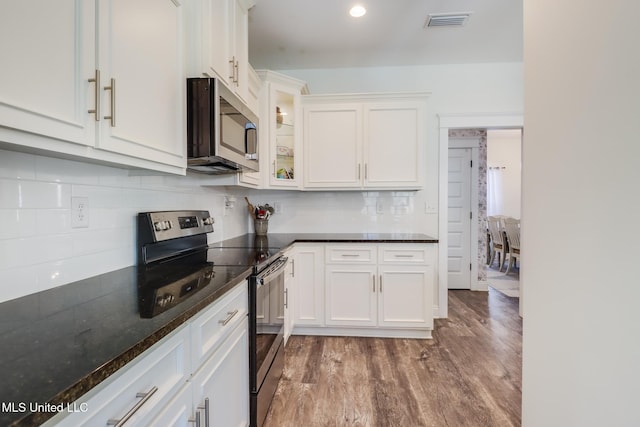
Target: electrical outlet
(429,208)
(379,207)
(79,212)
(277,208)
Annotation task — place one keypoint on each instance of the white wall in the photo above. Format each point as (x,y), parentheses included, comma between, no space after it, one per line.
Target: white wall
(504,149)
(39,249)
(463,88)
(580,223)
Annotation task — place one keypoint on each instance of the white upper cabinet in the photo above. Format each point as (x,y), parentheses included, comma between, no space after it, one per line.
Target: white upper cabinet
(357,142)
(71,63)
(333,146)
(141,63)
(48,54)
(219,42)
(281,124)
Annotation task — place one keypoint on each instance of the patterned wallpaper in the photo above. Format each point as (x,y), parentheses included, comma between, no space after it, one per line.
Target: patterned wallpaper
(482,194)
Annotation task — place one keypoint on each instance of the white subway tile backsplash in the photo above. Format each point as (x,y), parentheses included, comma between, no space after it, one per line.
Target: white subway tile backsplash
(33,194)
(51,221)
(17,223)
(51,248)
(40,250)
(89,242)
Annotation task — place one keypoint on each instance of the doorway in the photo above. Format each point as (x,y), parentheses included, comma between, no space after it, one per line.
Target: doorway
(447,123)
(462,209)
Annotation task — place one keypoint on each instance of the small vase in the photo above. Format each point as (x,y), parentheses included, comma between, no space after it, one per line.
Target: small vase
(261,226)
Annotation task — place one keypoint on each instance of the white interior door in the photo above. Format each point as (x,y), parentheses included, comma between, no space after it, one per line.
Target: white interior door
(459,219)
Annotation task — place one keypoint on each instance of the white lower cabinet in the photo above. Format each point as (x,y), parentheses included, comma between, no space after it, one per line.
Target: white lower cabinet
(351,298)
(405,296)
(221,386)
(309,280)
(200,371)
(178,412)
(289,287)
(218,394)
(370,289)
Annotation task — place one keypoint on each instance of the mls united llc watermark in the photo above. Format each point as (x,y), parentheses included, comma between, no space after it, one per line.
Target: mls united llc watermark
(21,407)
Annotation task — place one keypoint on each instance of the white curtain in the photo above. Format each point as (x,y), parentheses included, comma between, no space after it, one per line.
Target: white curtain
(494,191)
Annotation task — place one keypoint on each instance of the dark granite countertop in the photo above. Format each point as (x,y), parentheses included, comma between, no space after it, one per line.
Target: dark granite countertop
(60,343)
(282,240)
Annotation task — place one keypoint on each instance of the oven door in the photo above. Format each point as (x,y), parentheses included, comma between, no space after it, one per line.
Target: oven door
(266,350)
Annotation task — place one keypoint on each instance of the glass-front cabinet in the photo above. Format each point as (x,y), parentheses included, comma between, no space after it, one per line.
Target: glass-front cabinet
(283,109)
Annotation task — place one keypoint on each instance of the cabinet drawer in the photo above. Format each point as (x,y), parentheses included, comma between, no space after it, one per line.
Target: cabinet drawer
(138,390)
(210,328)
(407,254)
(351,254)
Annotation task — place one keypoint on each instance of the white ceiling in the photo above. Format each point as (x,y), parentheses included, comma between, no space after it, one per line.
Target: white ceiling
(297,34)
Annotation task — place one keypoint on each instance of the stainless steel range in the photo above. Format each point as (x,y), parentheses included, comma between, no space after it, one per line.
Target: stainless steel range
(175,262)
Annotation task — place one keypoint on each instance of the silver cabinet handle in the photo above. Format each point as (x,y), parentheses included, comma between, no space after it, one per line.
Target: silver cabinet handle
(403,256)
(374,282)
(293,268)
(195,419)
(96,94)
(381,283)
(350,255)
(144,397)
(112,88)
(286,298)
(365,170)
(230,315)
(274,168)
(358,170)
(206,413)
(232,61)
(237,73)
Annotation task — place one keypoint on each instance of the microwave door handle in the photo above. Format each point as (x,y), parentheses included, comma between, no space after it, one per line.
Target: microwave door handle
(248,128)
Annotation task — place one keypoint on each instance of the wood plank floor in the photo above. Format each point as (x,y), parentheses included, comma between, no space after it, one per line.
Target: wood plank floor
(469,374)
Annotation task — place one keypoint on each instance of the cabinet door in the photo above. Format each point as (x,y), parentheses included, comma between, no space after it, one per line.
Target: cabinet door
(140,56)
(240,48)
(48,55)
(215,38)
(333,146)
(289,285)
(394,137)
(309,291)
(179,412)
(405,297)
(351,295)
(284,139)
(222,384)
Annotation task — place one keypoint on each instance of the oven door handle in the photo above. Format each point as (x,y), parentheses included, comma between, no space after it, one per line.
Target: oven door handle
(272,271)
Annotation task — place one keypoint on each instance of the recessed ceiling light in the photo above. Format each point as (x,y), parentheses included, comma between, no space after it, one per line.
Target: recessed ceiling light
(357,11)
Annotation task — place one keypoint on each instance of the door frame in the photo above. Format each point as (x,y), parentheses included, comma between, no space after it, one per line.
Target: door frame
(460,121)
(474,145)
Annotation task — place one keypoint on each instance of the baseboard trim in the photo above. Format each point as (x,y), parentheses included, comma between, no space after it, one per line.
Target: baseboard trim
(481,285)
(363,332)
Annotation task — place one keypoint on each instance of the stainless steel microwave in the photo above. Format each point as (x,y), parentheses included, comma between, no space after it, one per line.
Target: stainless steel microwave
(222,133)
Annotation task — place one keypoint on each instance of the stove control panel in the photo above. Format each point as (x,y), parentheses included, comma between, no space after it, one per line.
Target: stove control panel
(166,225)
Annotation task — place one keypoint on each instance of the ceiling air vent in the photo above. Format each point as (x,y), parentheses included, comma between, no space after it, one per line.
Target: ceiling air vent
(447,19)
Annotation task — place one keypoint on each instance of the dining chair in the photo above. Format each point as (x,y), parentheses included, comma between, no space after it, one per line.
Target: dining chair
(512,229)
(498,246)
